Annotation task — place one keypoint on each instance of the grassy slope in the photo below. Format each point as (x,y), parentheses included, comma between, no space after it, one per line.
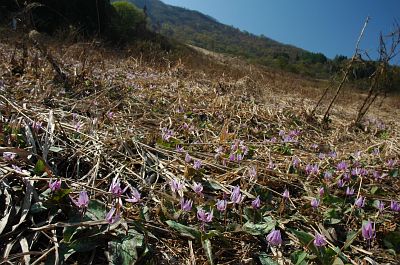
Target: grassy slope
(220,104)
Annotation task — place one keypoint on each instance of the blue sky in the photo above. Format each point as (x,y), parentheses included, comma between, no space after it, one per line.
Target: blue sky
(328,26)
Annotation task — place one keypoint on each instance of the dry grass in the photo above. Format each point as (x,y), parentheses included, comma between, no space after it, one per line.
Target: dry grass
(207,103)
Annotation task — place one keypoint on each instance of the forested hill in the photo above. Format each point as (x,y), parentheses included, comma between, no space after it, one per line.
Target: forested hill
(195,28)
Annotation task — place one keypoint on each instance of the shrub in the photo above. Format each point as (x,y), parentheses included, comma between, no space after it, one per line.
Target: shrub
(129,19)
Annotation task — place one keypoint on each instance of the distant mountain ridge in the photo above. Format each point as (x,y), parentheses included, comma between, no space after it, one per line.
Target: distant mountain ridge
(195,28)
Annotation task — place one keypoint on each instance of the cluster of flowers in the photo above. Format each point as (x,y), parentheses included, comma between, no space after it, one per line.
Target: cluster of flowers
(82,202)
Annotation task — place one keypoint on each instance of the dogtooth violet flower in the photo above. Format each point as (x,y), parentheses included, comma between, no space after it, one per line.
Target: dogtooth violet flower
(186,205)
(236,196)
(360,202)
(274,238)
(221,205)
(176,185)
(315,203)
(197,187)
(55,185)
(197,164)
(367,231)
(115,187)
(134,196)
(256,203)
(285,194)
(349,191)
(83,200)
(204,217)
(8,156)
(319,240)
(111,218)
(395,206)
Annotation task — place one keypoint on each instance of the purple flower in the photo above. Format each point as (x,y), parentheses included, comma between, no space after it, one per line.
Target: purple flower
(197,164)
(166,134)
(134,196)
(321,156)
(110,115)
(55,185)
(252,172)
(8,156)
(179,149)
(36,125)
(285,194)
(204,217)
(219,151)
(312,169)
(221,205)
(332,154)
(346,176)
(17,168)
(315,203)
(256,203)
(360,202)
(314,146)
(376,151)
(340,183)
(391,163)
(349,191)
(274,238)
(295,162)
(115,187)
(321,191)
(232,157)
(368,232)
(380,205)
(197,187)
(341,166)
(176,186)
(111,218)
(83,200)
(78,126)
(239,157)
(271,165)
(395,206)
(236,196)
(186,205)
(328,175)
(187,158)
(319,240)
(377,175)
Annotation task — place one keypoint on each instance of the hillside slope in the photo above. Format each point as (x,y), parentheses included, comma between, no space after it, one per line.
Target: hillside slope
(197,29)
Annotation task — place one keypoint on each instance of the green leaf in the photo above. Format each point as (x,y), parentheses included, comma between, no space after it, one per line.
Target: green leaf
(38,207)
(298,257)
(337,261)
(351,236)
(96,210)
(184,230)
(60,194)
(208,250)
(394,173)
(305,240)
(124,251)
(40,167)
(392,241)
(374,189)
(258,229)
(211,234)
(265,260)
